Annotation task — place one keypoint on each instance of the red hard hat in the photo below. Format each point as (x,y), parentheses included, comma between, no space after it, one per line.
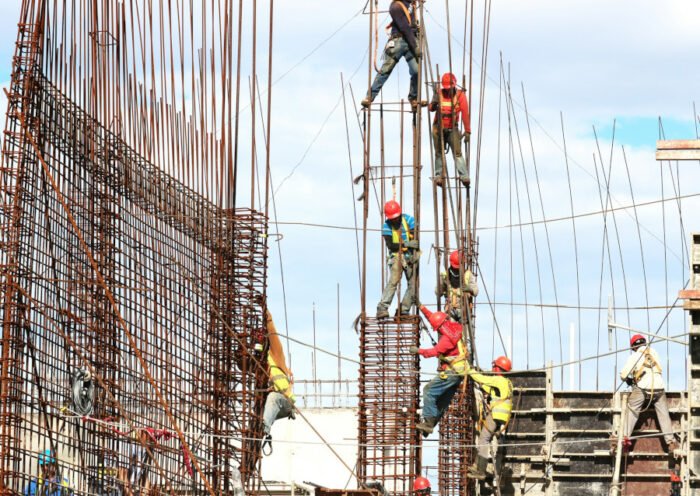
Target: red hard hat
(421,483)
(448,80)
(436,319)
(503,363)
(637,339)
(454,259)
(392,209)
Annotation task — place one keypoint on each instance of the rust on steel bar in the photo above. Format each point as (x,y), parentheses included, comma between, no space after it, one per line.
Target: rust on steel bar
(115,188)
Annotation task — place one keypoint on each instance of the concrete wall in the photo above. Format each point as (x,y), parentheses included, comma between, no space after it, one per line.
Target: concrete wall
(293,459)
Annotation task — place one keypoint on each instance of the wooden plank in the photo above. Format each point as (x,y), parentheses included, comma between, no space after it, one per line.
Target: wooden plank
(678,154)
(689,294)
(678,144)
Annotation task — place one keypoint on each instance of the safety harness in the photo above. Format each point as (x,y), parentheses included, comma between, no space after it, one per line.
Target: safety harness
(396,234)
(455,363)
(279,380)
(449,109)
(649,363)
(405,10)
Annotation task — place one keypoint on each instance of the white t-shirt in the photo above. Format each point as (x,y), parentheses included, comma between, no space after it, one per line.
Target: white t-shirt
(651,378)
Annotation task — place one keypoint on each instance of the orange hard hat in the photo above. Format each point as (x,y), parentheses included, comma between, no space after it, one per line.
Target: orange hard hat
(421,483)
(637,340)
(454,259)
(448,81)
(392,209)
(503,363)
(436,319)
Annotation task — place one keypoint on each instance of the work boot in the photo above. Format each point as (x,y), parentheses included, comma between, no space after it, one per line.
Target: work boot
(438,181)
(382,313)
(465,180)
(478,469)
(672,447)
(427,425)
(365,102)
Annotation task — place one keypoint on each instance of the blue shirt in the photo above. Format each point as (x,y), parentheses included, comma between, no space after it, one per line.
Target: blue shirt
(407,220)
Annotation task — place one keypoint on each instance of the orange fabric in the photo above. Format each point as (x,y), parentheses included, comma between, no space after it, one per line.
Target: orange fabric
(276,349)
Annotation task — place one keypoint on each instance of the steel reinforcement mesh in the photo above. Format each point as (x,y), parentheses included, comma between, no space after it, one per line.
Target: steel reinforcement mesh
(389,450)
(159,305)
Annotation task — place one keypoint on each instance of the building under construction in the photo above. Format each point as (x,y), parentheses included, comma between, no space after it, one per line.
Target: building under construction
(135,205)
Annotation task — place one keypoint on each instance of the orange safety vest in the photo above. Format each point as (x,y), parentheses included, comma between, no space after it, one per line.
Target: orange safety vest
(450,109)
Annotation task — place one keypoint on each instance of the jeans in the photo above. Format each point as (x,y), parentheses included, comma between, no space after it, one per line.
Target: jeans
(486,432)
(277,406)
(438,393)
(393,51)
(638,399)
(408,263)
(453,138)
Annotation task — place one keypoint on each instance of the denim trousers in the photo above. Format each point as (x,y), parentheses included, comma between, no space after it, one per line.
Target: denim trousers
(438,393)
(277,406)
(393,51)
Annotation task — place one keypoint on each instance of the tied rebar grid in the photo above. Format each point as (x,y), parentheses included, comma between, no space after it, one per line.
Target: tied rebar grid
(388,404)
(186,277)
(456,435)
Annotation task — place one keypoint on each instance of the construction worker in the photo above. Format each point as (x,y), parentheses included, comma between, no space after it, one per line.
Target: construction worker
(452,355)
(49,482)
(398,233)
(403,42)
(452,290)
(449,103)
(280,400)
(421,486)
(642,371)
(494,410)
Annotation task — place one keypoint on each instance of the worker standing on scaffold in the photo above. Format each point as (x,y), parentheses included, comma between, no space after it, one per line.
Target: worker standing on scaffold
(494,410)
(449,103)
(451,289)
(403,257)
(642,371)
(452,355)
(403,42)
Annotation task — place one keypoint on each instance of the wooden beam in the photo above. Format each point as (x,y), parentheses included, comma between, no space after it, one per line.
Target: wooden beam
(678,150)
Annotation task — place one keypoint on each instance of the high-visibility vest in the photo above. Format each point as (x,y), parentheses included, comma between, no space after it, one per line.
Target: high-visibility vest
(449,109)
(279,380)
(396,233)
(500,389)
(456,362)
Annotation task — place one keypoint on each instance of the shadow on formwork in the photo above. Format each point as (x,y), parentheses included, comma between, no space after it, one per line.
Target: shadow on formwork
(559,443)
(112,268)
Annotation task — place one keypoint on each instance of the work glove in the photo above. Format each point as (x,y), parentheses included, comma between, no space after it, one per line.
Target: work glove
(413,244)
(413,350)
(467,137)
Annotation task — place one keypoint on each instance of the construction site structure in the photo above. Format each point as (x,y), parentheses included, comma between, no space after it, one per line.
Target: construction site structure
(131,286)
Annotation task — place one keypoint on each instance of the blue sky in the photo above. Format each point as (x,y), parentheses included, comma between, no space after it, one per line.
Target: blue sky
(593,62)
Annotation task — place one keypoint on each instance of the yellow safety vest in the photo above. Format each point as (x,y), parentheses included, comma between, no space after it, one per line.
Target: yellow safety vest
(500,389)
(396,233)
(457,362)
(279,380)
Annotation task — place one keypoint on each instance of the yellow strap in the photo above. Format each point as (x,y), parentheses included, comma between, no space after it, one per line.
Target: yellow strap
(395,233)
(456,362)
(408,15)
(649,362)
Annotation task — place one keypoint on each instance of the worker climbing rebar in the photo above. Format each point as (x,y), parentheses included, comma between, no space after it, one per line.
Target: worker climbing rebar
(398,233)
(280,400)
(452,290)
(452,355)
(494,410)
(642,372)
(404,41)
(448,103)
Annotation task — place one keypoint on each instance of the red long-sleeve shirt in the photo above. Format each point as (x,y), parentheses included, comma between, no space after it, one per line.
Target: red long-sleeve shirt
(448,344)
